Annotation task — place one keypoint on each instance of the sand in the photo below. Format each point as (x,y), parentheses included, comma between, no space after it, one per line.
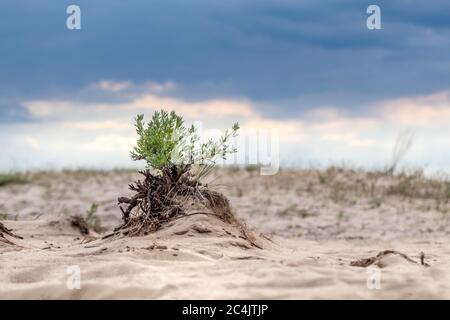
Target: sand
(310,224)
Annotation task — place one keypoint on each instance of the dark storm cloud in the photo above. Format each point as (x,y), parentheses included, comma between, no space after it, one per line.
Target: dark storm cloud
(287,56)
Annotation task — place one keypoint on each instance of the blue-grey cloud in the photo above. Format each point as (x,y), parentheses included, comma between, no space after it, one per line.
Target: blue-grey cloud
(287,56)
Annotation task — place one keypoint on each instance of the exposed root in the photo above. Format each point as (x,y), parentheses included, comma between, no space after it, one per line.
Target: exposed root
(80,223)
(220,205)
(170,195)
(377,259)
(5,231)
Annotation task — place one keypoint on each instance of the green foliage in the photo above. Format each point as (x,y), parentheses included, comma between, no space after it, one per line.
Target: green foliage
(159,139)
(12,178)
(91,217)
(165,141)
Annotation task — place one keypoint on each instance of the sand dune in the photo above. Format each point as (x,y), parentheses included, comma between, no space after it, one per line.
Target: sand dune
(201,257)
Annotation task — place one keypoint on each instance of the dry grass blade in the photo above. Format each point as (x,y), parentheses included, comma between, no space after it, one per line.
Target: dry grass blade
(402,145)
(376,260)
(5,231)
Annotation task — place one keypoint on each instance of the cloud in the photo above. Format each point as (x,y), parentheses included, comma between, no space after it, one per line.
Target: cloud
(111,142)
(308,69)
(91,115)
(147,86)
(421,111)
(262,50)
(324,123)
(114,86)
(197,109)
(48,109)
(292,131)
(160,87)
(96,125)
(103,130)
(33,143)
(350,138)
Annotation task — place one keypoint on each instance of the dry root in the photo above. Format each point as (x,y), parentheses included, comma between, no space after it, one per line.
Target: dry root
(163,197)
(80,223)
(5,231)
(377,259)
(157,198)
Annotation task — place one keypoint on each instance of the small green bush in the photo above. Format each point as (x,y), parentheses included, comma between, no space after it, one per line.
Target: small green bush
(180,160)
(165,141)
(91,217)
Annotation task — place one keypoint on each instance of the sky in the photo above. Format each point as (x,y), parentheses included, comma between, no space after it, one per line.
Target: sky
(309,72)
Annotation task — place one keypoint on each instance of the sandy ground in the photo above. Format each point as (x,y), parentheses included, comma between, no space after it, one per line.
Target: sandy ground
(313,225)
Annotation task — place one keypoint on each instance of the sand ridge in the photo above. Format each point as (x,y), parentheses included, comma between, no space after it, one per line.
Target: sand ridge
(201,257)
